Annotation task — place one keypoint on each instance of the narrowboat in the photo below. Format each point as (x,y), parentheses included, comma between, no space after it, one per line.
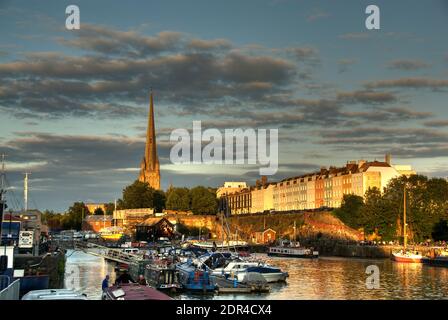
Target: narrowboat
(162,277)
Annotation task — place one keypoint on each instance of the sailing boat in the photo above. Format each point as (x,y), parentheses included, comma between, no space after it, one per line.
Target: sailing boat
(406,255)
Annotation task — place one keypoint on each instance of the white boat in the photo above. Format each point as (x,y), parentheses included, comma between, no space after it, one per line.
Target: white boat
(406,255)
(54,294)
(232,266)
(219,245)
(235,269)
(293,252)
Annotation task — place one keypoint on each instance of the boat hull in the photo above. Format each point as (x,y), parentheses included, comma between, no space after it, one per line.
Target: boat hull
(437,262)
(286,255)
(407,259)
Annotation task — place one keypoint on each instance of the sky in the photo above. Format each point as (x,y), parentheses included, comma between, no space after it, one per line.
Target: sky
(74,103)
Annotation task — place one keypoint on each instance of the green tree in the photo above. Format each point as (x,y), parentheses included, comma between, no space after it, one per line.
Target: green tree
(203,200)
(141,195)
(98,212)
(178,199)
(72,219)
(440,230)
(52,220)
(350,210)
(110,207)
(159,200)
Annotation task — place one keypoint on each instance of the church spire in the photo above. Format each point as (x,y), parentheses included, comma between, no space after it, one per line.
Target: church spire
(150,169)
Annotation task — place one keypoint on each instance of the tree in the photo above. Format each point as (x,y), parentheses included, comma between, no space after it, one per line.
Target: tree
(382,213)
(52,220)
(159,200)
(73,218)
(350,210)
(98,212)
(141,195)
(440,231)
(110,207)
(203,201)
(178,199)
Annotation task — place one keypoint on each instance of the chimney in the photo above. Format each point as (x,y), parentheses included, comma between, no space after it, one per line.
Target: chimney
(388,158)
(361,163)
(264,180)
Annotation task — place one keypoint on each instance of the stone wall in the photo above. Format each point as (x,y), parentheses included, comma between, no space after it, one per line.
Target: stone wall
(308,225)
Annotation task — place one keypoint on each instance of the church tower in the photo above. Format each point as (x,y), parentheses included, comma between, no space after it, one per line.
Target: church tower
(149,167)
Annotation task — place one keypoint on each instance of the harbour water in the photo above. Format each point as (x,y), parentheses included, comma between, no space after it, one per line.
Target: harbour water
(323,278)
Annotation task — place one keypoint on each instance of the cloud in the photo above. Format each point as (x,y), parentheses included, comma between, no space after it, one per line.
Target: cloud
(307,55)
(199,44)
(355,36)
(105,40)
(316,16)
(368,97)
(344,65)
(409,83)
(401,142)
(57,85)
(407,65)
(436,123)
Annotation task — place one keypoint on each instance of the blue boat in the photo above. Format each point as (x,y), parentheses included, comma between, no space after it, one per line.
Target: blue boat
(194,279)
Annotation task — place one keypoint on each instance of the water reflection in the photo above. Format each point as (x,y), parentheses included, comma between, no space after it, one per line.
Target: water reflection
(325,278)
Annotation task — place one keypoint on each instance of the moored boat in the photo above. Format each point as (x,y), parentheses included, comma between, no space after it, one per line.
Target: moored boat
(163,277)
(194,279)
(439,259)
(271,274)
(133,291)
(111,234)
(407,256)
(293,252)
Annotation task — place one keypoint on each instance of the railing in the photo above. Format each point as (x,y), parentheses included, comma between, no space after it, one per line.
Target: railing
(11,292)
(4,281)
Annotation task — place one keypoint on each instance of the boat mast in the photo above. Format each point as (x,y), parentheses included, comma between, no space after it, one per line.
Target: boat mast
(2,199)
(294,231)
(25,191)
(404,218)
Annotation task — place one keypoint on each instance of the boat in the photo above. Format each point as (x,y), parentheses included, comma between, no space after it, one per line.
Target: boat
(133,291)
(231,266)
(271,274)
(220,245)
(163,277)
(438,259)
(406,255)
(193,279)
(54,294)
(111,233)
(293,251)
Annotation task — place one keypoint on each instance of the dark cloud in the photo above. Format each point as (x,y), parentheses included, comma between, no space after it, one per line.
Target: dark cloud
(60,85)
(407,65)
(404,137)
(105,40)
